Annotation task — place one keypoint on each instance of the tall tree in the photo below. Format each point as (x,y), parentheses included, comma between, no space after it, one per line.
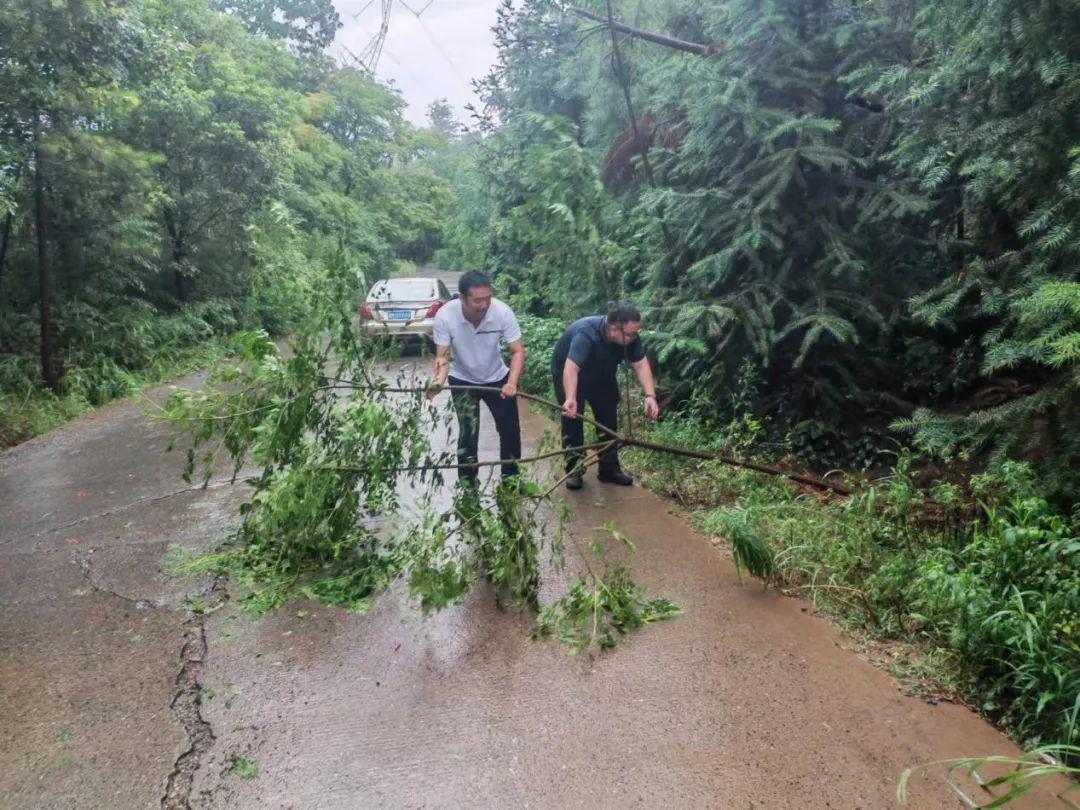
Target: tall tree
(64,64)
(308,25)
(768,214)
(992,129)
(217,112)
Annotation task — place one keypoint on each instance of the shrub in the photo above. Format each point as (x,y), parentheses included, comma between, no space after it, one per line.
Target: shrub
(987,574)
(112,351)
(1008,604)
(540,336)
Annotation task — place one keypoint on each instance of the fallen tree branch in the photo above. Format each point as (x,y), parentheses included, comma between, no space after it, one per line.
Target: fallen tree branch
(648,36)
(691,47)
(630,441)
(810,480)
(468,465)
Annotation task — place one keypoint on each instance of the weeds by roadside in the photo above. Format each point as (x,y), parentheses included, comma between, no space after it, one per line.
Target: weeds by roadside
(1020,775)
(136,347)
(983,580)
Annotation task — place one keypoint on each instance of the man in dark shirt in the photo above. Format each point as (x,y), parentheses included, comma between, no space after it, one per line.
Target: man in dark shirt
(583,371)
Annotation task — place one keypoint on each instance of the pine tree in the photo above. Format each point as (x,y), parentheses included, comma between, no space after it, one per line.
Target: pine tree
(992,99)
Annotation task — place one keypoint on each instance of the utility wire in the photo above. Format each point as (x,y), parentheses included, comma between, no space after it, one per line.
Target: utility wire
(367,5)
(441,51)
(408,71)
(415,13)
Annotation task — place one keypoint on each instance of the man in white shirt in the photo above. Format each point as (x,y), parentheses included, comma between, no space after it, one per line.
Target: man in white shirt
(471,331)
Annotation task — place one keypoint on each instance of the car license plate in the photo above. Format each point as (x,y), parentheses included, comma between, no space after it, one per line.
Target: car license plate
(398,315)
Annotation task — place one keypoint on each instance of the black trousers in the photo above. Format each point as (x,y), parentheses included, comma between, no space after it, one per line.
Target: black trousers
(507,423)
(603,399)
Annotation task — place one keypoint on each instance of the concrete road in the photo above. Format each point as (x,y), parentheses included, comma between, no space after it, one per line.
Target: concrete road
(112,695)
(98,669)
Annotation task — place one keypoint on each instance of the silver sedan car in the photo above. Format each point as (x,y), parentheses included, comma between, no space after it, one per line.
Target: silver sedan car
(403,308)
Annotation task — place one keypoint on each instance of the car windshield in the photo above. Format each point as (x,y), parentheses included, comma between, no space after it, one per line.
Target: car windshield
(403,289)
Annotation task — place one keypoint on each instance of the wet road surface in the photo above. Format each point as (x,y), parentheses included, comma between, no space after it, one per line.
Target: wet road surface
(112,694)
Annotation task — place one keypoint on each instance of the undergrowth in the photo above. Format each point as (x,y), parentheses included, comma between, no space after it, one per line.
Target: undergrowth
(110,355)
(34,409)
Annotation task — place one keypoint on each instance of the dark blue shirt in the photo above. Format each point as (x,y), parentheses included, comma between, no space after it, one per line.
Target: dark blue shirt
(586,343)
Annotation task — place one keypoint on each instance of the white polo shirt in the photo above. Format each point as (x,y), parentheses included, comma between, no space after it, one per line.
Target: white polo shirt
(476,350)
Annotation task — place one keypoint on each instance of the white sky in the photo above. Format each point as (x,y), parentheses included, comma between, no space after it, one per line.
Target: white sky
(431,56)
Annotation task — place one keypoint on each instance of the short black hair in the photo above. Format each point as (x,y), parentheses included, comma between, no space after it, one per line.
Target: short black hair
(622,313)
(473,278)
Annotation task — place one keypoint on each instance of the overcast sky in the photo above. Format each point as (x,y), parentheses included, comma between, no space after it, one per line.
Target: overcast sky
(431,56)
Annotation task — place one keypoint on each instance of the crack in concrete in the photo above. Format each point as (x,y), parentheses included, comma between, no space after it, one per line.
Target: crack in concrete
(83,561)
(186,706)
(123,508)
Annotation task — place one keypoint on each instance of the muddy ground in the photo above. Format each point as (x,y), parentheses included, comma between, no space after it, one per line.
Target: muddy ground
(114,695)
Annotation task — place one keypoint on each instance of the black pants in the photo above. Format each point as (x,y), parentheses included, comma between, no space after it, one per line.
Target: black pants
(604,401)
(507,423)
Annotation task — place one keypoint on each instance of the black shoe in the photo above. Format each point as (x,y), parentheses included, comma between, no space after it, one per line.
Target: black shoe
(615,477)
(575,481)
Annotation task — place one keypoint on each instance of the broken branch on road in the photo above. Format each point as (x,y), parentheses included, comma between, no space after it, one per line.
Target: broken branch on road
(632,441)
(348,494)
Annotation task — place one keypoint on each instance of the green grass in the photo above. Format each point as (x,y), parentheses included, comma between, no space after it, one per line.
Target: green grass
(1021,774)
(245,768)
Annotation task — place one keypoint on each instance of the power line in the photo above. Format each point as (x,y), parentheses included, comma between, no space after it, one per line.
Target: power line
(411,74)
(439,48)
(421,11)
(369,56)
(367,5)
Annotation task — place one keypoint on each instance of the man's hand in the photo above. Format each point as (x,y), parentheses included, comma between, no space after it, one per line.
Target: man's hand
(569,409)
(442,371)
(509,391)
(652,408)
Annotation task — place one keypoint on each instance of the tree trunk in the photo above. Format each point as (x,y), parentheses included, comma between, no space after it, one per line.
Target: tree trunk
(5,240)
(177,237)
(178,275)
(45,279)
(5,237)
(68,237)
(648,36)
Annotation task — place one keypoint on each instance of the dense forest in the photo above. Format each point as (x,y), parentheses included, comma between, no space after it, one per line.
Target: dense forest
(851,228)
(865,209)
(170,173)
(869,206)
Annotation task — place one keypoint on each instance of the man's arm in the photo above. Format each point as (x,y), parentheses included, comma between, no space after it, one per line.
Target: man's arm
(570,384)
(517,366)
(648,385)
(442,370)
